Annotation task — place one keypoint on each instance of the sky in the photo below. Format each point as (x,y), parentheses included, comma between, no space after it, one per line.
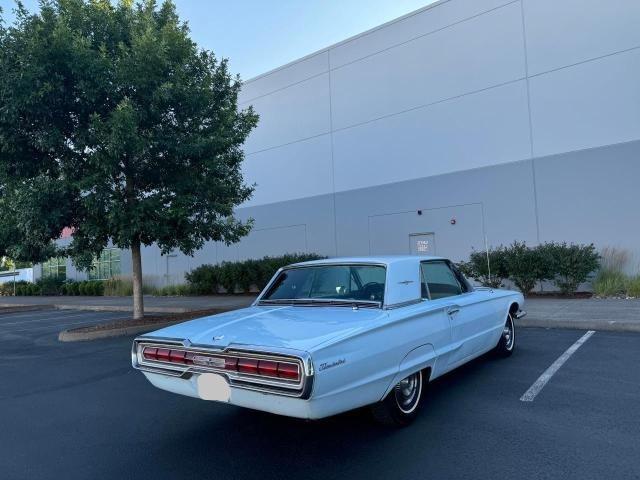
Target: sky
(260,35)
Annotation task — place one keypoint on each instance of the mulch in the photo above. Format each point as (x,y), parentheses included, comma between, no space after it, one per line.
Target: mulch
(559,295)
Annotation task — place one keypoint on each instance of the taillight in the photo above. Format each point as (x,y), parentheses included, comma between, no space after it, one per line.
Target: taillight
(288,371)
(163,354)
(248,365)
(268,368)
(252,366)
(150,353)
(177,356)
(231,363)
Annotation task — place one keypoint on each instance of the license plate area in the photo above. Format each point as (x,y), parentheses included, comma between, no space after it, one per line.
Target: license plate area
(212,386)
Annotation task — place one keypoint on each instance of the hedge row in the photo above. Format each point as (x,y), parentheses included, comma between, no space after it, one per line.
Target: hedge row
(54,287)
(239,277)
(566,265)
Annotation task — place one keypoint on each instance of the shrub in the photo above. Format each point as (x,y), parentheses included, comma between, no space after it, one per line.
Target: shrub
(49,286)
(478,269)
(239,276)
(609,283)
(614,259)
(228,275)
(73,288)
(526,266)
(121,286)
(204,280)
(7,288)
(633,287)
(611,280)
(569,265)
(174,290)
(118,287)
(97,288)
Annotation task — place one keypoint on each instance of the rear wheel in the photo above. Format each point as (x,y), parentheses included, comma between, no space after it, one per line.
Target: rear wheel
(507,341)
(400,406)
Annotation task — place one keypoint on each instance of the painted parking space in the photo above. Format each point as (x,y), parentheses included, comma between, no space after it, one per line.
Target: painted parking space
(21,331)
(533,391)
(79,411)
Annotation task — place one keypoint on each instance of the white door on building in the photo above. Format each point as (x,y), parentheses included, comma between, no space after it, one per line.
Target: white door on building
(422,243)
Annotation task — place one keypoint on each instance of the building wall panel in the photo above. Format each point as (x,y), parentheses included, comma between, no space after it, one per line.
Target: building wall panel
(504,193)
(293,114)
(490,127)
(473,55)
(588,105)
(284,76)
(431,19)
(564,32)
(297,170)
(591,196)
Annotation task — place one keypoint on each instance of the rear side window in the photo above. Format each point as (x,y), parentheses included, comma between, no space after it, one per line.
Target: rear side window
(440,280)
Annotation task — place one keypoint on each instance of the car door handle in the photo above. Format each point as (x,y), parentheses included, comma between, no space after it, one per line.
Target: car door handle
(452,310)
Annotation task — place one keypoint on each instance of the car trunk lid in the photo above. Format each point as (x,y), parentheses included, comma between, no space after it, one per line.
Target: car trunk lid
(294,327)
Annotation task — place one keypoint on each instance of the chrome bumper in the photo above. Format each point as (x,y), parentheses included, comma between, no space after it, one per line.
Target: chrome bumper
(520,314)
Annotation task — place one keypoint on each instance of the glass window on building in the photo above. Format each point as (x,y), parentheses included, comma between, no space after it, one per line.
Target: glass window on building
(107,265)
(55,268)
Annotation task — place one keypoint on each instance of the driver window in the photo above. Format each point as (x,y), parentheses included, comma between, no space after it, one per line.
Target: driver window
(440,279)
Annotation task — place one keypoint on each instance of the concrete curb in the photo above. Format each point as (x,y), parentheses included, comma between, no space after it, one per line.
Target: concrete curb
(122,308)
(13,308)
(605,325)
(71,336)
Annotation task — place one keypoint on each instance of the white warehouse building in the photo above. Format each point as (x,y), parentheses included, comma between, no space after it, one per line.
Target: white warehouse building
(465,120)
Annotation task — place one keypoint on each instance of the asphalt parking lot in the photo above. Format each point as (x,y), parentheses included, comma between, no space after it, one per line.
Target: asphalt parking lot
(79,411)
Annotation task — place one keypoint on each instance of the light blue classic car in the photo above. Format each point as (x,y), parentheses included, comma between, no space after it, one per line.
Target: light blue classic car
(333,335)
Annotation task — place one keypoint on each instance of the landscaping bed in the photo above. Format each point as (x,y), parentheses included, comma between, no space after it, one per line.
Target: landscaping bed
(128,326)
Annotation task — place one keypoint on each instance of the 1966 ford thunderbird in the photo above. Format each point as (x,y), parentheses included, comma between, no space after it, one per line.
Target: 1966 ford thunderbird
(329,336)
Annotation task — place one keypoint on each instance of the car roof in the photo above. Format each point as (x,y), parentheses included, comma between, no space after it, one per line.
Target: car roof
(378,259)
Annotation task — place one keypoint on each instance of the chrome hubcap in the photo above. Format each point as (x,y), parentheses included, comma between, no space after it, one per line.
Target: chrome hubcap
(407,392)
(508,333)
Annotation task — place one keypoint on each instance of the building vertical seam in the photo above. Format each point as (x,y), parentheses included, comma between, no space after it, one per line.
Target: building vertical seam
(333,170)
(533,166)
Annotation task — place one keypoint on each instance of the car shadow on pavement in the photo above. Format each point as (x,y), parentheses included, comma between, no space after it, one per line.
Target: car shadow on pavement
(270,443)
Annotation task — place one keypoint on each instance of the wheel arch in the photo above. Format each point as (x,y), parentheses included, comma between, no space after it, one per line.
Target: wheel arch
(422,358)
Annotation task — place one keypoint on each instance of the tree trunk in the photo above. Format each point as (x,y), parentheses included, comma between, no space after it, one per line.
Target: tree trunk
(136,260)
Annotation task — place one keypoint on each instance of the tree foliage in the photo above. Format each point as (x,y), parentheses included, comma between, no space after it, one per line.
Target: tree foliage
(114,123)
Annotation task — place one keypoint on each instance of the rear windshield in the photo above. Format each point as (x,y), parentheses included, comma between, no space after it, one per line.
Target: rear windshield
(330,282)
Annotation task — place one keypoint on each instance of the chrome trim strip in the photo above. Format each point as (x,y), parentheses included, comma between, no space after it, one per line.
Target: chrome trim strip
(320,302)
(403,304)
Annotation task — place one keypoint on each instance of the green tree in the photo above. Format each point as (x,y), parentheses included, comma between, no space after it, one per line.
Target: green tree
(114,123)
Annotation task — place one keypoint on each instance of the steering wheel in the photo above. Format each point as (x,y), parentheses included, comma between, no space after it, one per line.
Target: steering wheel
(372,291)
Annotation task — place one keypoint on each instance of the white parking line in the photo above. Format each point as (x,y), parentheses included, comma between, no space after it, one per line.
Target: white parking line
(539,384)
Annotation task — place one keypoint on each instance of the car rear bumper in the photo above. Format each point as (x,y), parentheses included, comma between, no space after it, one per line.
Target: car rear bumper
(267,402)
